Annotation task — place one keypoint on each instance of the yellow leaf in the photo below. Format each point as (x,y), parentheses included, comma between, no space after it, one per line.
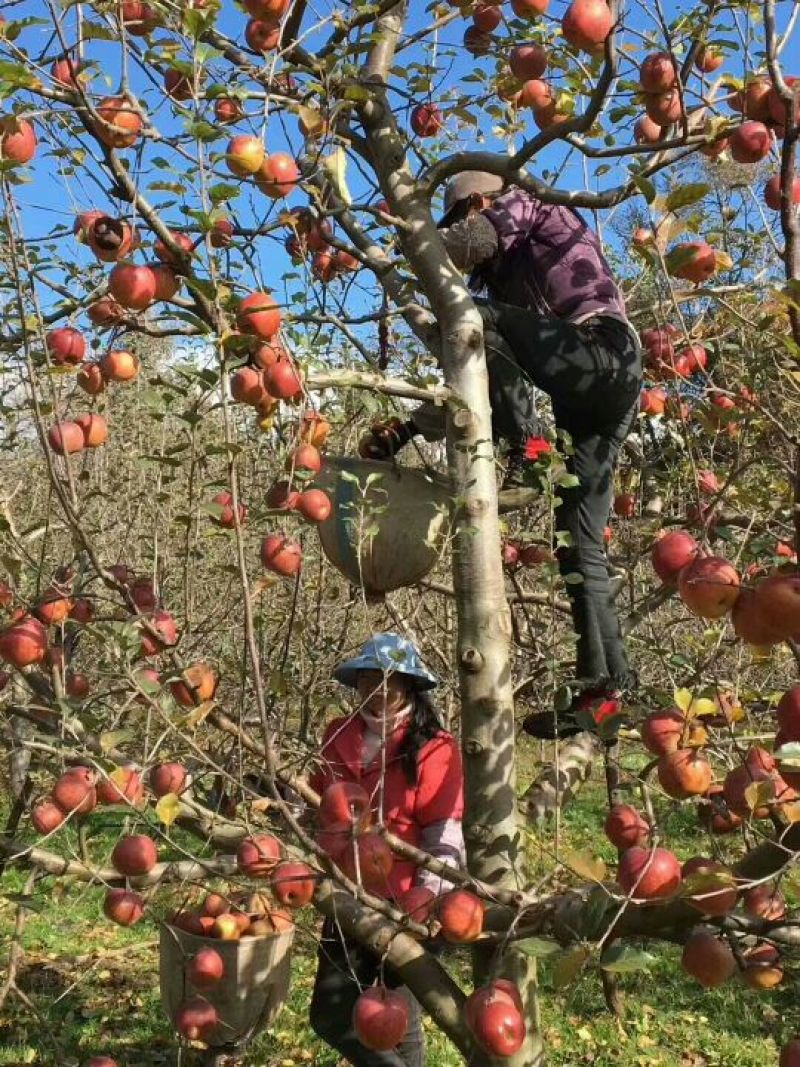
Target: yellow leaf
(723,260)
(682,698)
(168,808)
(335,165)
(703,706)
(311,119)
(585,865)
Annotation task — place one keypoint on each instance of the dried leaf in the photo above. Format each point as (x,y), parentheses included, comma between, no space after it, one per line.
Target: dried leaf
(585,865)
(569,965)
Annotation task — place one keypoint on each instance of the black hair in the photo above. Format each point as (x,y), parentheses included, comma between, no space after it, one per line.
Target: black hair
(426,723)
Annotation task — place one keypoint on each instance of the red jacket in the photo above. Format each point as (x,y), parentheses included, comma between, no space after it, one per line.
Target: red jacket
(407,807)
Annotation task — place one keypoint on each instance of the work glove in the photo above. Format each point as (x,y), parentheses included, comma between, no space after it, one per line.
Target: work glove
(385,439)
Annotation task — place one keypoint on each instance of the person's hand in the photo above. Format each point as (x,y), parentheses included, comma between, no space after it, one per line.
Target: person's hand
(384,439)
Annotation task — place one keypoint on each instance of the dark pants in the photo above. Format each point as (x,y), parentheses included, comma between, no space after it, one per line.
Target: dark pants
(592,373)
(344,969)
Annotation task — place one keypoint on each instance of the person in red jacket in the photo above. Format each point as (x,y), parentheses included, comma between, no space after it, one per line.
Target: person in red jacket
(394,745)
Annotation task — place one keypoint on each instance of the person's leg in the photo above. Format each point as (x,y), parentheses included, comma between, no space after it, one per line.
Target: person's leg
(601,657)
(344,969)
(593,368)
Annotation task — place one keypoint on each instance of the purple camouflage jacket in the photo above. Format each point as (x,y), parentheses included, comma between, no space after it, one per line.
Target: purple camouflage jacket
(549,261)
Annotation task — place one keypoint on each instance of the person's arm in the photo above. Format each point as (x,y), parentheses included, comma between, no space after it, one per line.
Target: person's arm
(471,242)
(439,808)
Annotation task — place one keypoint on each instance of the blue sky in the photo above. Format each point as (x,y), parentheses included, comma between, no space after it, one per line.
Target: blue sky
(57,191)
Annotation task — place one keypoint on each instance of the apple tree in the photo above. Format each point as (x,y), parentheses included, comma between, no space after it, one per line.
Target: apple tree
(220,261)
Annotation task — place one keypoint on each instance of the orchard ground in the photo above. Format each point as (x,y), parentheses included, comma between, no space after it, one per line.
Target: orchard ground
(96,984)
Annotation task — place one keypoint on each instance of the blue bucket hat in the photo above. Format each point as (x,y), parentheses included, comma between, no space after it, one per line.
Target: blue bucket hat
(387,652)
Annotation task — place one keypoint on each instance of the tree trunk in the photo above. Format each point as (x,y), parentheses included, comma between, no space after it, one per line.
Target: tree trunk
(494,844)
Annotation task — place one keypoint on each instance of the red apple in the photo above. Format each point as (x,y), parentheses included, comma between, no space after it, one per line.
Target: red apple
(649,874)
(684,773)
(132,286)
(196,1019)
(23,643)
(257,856)
(294,884)
(46,817)
(426,120)
(709,586)
(694,261)
(260,315)
(123,786)
(18,142)
(284,380)
(75,791)
(671,553)
(586,24)
(280,555)
(662,731)
(345,802)
(750,142)
(777,603)
(197,685)
(66,345)
(167,630)
(244,155)
(135,854)
(765,902)
(315,505)
(625,827)
(658,72)
(123,907)
(461,915)
(708,874)
(122,124)
(205,968)
(168,778)
(65,438)
(94,429)
(527,61)
(368,860)
(278,175)
(380,1018)
(708,959)
(496,1021)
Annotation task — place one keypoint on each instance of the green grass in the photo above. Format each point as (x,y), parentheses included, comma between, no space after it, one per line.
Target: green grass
(94,988)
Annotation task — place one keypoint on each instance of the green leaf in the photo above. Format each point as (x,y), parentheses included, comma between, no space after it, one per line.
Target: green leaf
(113,738)
(686,195)
(539,947)
(621,959)
(645,187)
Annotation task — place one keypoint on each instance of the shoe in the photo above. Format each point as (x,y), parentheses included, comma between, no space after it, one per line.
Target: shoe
(595,710)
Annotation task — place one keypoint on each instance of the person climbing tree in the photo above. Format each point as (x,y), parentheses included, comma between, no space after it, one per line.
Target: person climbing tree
(393,745)
(553,318)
